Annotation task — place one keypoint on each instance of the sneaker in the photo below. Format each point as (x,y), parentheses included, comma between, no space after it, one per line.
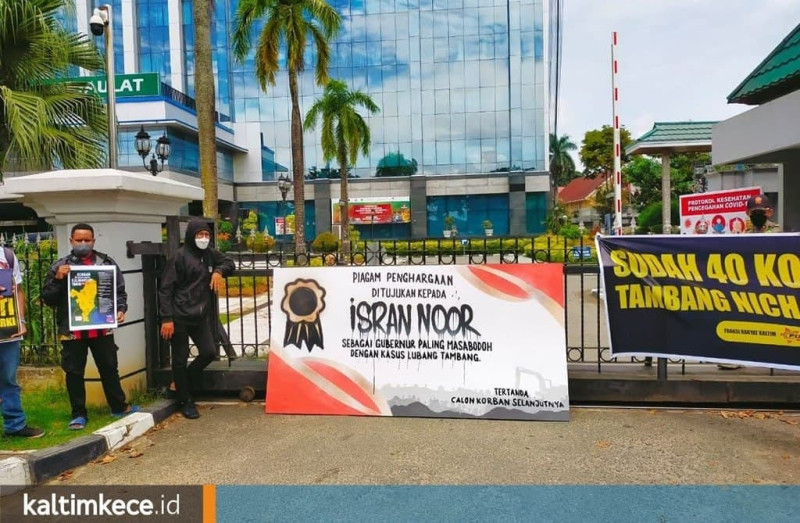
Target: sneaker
(728,366)
(26,432)
(189,411)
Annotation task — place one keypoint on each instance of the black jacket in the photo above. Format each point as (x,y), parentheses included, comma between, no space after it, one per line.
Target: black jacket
(54,292)
(185,294)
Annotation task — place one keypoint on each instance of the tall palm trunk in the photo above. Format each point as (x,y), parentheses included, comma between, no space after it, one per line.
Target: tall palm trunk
(297,168)
(206,103)
(345,204)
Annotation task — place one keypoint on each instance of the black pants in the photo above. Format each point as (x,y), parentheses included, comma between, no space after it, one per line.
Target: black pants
(206,349)
(73,361)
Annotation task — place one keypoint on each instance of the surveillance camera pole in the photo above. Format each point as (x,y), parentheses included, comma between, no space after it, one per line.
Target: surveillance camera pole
(111,87)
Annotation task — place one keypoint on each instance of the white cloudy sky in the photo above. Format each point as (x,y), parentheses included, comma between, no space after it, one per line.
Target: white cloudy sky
(678,59)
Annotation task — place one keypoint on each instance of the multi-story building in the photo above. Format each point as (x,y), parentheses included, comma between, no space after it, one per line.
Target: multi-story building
(462,86)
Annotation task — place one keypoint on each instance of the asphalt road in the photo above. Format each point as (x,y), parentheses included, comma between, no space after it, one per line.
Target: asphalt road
(239,444)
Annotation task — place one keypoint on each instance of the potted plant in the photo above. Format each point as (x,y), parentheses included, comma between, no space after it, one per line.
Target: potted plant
(449,224)
(487,227)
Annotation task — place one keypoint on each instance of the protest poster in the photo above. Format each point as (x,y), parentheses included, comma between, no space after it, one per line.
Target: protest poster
(482,341)
(92,291)
(716,212)
(726,299)
(9,311)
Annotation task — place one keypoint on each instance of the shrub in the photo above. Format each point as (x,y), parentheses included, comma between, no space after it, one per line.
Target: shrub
(260,242)
(487,224)
(42,337)
(355,235)
(223,245)
(250,224)
(651,216)
(224,241)
(243,286)
(571,232)
(225,227)
(325,242)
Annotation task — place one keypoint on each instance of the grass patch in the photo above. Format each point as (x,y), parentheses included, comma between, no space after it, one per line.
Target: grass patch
(49,410)
(227,318)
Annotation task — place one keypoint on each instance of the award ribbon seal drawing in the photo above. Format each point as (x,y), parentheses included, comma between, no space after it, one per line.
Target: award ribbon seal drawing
(302,303)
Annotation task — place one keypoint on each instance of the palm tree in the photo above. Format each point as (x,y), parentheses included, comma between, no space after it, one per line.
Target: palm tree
(206,102)
(44,123)
(561,163)
(288,23)
(344,133)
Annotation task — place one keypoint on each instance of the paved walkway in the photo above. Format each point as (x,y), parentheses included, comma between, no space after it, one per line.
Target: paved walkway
(251,329)
(237,443)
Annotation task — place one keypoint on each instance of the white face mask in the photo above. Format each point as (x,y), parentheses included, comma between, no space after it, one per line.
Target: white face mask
(202,243)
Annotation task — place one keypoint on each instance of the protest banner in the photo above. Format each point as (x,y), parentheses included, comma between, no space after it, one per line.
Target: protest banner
(483,341)
(92,291)
(9,311)
(716,212)
(727,299)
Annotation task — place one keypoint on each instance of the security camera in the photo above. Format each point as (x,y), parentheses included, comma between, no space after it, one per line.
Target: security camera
(97,23)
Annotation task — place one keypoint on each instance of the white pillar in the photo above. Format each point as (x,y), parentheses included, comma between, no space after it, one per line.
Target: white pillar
(129,37)
(666,199)
(176,47)
(120,206)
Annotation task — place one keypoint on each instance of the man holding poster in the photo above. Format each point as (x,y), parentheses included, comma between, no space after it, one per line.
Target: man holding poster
(87,290)
(12,321)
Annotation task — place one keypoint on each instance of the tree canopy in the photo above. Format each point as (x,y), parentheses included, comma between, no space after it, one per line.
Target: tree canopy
(645,173)
(597,150)
(562,165)
(44,123)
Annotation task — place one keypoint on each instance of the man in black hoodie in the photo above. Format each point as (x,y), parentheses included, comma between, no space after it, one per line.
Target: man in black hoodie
(189,284)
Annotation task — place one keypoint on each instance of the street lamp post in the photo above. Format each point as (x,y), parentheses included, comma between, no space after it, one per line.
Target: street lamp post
(100,23)
(163,150)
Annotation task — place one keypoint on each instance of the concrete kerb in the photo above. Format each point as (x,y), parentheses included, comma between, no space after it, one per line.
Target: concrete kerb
(24,470)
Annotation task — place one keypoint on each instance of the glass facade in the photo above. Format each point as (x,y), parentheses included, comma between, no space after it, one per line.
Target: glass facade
(71,24)
(460,84)
(469,212)
(221,46)
(184,156)
(535,212)
(152,22)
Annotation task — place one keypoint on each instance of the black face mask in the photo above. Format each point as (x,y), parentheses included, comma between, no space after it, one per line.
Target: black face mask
(759,218)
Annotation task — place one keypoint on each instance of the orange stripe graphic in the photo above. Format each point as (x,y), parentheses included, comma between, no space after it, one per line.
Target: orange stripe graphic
(209,504)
